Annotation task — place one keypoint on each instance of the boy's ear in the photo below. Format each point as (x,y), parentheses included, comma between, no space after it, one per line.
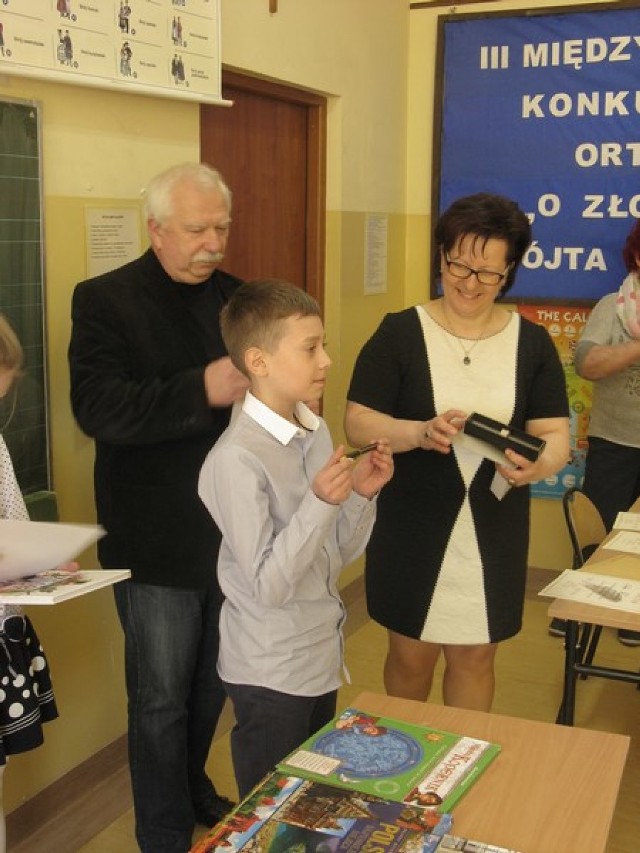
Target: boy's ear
(255,362)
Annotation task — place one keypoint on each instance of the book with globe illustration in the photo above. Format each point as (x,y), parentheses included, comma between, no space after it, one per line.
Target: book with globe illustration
(285,813)
(404,762)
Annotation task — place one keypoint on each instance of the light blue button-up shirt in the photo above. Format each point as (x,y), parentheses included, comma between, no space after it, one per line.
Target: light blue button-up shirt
(282,551)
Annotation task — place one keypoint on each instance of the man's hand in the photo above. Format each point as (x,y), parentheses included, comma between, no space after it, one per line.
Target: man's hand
(223,383)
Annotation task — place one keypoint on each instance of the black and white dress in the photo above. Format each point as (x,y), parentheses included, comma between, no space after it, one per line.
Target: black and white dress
(26,694)
(447,559)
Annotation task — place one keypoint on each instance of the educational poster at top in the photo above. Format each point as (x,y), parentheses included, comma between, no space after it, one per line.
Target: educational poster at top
(565,325)
(545,108)
(158,47)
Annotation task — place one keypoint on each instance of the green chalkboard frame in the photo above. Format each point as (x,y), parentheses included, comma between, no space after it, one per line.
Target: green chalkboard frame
(24,420)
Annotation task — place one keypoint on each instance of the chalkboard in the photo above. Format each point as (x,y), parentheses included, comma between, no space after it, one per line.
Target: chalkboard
(542,106)
(23,413)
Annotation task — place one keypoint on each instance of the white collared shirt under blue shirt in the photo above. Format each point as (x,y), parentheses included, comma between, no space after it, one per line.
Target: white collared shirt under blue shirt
(282,551)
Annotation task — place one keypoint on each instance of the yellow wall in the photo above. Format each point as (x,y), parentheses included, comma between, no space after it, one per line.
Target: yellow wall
(374,60)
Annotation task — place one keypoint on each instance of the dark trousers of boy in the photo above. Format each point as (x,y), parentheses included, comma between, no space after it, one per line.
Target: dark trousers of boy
(270,725)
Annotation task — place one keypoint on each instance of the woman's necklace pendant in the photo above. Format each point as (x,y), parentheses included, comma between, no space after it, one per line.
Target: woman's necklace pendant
(466,360)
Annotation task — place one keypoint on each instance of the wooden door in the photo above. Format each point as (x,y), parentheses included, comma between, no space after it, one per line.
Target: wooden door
(270,148)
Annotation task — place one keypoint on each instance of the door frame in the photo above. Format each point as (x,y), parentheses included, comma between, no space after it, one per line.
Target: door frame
(316,110)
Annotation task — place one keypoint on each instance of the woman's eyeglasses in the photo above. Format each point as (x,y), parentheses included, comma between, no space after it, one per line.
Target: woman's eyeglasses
(462,271)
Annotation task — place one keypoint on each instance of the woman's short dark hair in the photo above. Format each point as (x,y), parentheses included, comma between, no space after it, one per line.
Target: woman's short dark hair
(631,250)
(484,216)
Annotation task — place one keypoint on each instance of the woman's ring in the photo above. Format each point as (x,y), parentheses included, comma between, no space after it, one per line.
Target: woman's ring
(511,482)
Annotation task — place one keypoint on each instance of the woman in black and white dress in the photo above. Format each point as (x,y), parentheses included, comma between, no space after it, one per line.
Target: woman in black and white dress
(446,564)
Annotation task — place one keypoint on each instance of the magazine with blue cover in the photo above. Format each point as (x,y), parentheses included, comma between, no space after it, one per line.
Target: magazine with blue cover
(404,762)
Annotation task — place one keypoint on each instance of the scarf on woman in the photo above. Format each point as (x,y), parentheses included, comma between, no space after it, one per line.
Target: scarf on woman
(628,305)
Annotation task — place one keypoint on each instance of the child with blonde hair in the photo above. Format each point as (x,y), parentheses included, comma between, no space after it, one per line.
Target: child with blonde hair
(26,694)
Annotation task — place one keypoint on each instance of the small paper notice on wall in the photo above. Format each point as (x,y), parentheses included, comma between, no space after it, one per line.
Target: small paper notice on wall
(113,238)
(375,253)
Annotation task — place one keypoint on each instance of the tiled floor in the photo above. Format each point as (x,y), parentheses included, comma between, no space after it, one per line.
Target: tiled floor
(529,671)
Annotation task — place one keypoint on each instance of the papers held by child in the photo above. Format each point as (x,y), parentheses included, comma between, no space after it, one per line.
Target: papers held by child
(31,547)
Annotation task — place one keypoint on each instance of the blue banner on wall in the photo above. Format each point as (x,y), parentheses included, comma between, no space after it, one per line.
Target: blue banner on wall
(545,108)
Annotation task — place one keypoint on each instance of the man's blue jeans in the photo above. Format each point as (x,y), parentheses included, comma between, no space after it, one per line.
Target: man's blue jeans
(175,699)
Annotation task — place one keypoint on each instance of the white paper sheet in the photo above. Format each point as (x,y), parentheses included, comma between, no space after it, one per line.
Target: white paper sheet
(482,448)
(627,521)
(591,588)
(626,540)
(31,547)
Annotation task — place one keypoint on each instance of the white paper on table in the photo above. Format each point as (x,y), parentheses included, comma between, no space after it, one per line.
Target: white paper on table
(592,588)
(31,547)
(625,540)
(627,521)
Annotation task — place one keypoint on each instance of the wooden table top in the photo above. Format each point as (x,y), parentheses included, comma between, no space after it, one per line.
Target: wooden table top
(592,613)
(552,789)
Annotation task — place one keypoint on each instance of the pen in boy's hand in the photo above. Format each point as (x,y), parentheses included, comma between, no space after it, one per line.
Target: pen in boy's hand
(353,454)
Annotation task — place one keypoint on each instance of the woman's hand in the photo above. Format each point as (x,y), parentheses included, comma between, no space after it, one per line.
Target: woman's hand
(438,433)
(372,470)
(555,431)
(524,472)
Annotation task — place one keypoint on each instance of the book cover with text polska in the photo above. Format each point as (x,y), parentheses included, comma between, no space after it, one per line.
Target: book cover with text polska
(287,812)
(389,758)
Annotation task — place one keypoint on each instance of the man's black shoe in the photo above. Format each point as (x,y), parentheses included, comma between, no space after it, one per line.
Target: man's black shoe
(213,812)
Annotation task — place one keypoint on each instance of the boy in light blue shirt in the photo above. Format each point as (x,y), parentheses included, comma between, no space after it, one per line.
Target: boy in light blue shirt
(292,512)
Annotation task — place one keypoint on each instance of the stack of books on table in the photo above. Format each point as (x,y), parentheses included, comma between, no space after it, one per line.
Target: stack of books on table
(361,783)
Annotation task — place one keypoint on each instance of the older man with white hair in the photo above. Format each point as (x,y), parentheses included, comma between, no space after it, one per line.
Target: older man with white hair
(152,384)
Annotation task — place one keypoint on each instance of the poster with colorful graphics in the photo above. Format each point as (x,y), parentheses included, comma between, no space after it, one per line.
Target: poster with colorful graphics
(565,326)
(155,47)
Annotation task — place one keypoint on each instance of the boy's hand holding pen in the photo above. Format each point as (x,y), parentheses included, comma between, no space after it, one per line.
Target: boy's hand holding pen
(359,451)
(364,470)
(374,468)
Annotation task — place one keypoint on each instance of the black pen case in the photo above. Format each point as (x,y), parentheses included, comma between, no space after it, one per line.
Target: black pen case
(503,436)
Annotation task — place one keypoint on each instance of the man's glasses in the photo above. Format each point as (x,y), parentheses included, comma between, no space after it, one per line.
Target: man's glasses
(462,271)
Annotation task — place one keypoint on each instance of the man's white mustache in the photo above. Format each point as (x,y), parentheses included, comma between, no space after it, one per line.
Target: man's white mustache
(209,258)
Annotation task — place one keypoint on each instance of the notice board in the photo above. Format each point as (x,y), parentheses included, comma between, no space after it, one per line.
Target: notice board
(544,107)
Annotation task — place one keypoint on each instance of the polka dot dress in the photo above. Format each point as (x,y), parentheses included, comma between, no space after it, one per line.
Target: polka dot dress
(26,695)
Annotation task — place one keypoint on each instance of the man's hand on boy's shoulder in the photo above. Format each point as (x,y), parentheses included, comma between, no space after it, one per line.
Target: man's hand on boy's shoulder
(372,470)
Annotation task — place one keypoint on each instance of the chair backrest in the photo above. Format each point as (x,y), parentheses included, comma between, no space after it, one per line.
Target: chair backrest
(584,523)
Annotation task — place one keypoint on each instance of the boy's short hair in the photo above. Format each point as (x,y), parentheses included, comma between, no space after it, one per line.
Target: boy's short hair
(253,315)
